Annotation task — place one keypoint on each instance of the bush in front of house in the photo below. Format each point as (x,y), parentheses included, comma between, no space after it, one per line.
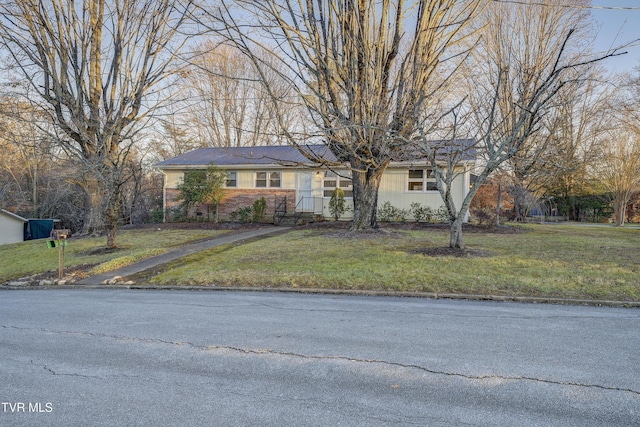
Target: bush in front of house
(483,216)
(337,204)
(259,209)
(156,216)
(242,215)
(422,213)
(442,215)
(389,213)
(202,186)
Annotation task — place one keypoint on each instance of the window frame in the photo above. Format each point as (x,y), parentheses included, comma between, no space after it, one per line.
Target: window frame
(269,179)
(425,184)
(337,180)
(230,180)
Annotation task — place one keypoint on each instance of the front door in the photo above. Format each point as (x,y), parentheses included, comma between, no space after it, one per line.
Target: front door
(304,200)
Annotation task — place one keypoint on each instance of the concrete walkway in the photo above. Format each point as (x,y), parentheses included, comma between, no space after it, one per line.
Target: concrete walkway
(174,254)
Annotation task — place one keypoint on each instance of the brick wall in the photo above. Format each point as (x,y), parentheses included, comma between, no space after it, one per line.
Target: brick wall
(235,199)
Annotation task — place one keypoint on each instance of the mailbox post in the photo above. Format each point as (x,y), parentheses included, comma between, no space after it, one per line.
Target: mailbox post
(59,238)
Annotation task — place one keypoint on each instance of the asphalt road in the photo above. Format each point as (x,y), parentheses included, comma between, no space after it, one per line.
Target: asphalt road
(180,358)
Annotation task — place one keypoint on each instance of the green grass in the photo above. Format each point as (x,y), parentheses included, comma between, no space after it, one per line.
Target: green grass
(563,261)
(32,257)
(566,261)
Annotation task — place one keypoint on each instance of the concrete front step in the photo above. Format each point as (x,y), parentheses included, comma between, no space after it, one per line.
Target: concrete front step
(297,219)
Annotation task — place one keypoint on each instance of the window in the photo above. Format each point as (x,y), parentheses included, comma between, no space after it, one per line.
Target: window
(416,180)
(232,179)
(421,180)
(268,179)
(333,181)
(274,179)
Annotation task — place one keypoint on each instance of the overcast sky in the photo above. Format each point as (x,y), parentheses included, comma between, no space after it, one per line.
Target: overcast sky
(617,27)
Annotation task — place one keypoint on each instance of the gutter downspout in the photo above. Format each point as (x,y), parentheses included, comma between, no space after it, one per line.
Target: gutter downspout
(465,187)
(164,196)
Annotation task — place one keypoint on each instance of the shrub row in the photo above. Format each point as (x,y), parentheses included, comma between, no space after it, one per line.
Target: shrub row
(389,213)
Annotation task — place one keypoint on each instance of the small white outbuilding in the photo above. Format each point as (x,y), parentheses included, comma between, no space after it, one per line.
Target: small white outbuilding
(12,227)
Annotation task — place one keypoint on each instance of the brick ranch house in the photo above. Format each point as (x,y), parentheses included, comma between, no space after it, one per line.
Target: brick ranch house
(292,183)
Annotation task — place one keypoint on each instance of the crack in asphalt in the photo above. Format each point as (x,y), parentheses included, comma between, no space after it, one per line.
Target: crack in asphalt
(422,368)
(60,374)
(100,335)
(319,357)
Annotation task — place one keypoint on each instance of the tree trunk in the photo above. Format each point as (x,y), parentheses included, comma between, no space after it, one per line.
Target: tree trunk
(573,213)
(112,216)
(456,240)
(519,203)
(498,204)
(365,198)
(94,196)
(102,209)
(112,231)
(619,208)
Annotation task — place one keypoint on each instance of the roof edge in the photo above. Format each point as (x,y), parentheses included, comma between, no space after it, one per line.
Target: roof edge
(14,216)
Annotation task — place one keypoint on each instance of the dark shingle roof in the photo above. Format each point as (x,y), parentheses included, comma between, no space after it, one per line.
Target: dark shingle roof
(260,155)
(288,155)
(460,149)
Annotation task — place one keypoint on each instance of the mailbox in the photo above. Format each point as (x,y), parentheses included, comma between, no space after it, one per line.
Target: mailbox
(61,234)
(58,238)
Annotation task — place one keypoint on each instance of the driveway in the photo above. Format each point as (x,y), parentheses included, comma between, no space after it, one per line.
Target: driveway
(82,357)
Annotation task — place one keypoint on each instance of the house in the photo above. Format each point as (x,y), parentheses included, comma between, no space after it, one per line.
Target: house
(12,227)
(291,182)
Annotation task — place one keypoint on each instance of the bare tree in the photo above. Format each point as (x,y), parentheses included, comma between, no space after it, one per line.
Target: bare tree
(530,45)
(24,150)
(514,82)
(361,68)
(618,170)
(227,105)
(141,196)
(580,120)
(95,64)
(33,171)
(171,140)
(618,166)
(553,162)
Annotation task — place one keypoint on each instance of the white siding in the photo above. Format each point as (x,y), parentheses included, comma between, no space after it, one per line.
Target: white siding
(288,179)
(394,189)
(173,178)
(246,179)
(11,229)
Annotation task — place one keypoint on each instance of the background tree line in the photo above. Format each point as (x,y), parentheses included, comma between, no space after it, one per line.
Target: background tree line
(95,92)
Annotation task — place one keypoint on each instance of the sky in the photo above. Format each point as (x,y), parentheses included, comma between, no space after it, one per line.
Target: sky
(617,27)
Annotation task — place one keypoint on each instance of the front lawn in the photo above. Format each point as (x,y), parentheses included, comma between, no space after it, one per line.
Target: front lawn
(566,261)
(33,257)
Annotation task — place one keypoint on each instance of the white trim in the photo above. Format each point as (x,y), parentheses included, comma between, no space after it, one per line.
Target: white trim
(424,180)
(307,166)
(228,171)
(164,196)
(14,216)
(242,166)
(267,179)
